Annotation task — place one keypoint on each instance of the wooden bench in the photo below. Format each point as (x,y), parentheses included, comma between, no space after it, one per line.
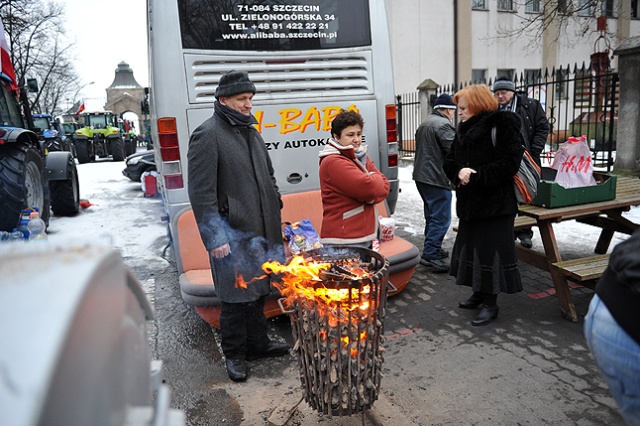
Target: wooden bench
(585,271)
(196,282)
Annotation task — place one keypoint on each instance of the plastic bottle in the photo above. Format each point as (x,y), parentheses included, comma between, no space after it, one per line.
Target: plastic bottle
(37,227)
(24,221)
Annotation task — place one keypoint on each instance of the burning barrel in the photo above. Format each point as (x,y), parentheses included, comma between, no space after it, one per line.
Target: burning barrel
(336,300)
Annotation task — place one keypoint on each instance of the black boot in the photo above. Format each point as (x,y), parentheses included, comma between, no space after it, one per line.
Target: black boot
(237,369)
(488,311)
(473,302)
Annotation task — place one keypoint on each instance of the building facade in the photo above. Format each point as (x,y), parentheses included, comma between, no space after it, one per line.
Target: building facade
(479,40)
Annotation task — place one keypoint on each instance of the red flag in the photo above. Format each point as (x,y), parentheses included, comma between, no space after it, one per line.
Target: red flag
(80,108)
(5,58)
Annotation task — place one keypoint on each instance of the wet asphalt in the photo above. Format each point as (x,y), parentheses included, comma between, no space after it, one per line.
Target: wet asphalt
(528,367)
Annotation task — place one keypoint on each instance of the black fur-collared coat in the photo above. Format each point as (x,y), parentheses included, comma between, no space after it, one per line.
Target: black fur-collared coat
(490,192)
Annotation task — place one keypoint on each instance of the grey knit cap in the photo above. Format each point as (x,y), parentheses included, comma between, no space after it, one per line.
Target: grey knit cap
(504,85)
(233,83)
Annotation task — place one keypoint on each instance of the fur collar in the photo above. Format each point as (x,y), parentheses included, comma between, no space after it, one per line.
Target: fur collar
(481,124)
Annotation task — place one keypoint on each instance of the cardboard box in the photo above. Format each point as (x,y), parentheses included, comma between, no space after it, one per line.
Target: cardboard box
(552,195)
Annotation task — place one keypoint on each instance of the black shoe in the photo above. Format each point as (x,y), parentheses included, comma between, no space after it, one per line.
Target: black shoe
(443,253)
(526,242)
(474,302)
(486,315)
(436,265)
(237,369)
(272,349)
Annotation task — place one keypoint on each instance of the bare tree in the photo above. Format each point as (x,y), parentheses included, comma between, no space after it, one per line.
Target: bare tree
(552,18)
(35,33)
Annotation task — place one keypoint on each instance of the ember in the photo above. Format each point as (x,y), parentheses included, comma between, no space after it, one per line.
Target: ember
(336,302)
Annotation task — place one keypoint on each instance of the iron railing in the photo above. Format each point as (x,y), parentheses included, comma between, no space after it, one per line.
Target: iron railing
(578,101)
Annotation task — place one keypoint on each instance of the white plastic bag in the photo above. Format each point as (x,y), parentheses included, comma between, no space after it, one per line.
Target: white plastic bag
(573,163)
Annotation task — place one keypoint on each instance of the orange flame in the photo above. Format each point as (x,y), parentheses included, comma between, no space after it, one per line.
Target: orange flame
(241,283)
(301,278)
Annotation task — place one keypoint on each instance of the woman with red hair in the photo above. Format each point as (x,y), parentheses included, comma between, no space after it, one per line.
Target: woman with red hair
(484,254)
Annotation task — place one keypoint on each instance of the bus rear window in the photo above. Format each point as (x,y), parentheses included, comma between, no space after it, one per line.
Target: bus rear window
(274,25)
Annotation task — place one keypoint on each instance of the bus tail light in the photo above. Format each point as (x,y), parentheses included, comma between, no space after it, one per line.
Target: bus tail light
(170,153)
(392,134)
(392,126)
(393,160)
(173,182)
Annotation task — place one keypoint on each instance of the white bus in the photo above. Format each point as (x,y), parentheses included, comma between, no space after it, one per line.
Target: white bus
(307,58)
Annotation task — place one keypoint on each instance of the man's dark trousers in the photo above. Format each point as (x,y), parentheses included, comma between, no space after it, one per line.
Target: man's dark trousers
(243,327)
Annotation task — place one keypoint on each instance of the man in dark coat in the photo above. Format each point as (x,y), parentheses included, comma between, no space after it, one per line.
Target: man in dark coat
(433,142)
(535,129)
(236,204)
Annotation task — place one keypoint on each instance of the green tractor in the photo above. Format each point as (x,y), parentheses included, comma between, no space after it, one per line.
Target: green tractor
(100,137)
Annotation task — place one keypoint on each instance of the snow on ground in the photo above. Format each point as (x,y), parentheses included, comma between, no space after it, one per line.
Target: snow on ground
(571,235)
(120,212)
(132,222)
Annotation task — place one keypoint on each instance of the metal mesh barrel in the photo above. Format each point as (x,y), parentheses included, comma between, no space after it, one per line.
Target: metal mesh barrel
(339,343)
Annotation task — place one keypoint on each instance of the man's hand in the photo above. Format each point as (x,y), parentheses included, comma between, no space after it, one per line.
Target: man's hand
(220,252)
(465,174)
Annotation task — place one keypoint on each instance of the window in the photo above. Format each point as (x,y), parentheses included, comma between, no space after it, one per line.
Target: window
(221,25)
(479,76)
(634,9)
(479,5)
(562,83)
(532,76)
(533,6)
(563,6)
(608,8)
(505,73)
(505,5)
(585,8)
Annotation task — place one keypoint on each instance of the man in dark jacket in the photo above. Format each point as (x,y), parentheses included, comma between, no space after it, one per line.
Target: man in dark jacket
(236,204)
(433,142)
(535,129)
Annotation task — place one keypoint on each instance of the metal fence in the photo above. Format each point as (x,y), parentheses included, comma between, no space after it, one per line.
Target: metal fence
(408,109)
(578,101)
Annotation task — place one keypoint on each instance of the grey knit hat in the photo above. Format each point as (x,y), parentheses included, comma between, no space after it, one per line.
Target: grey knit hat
(504,84)
(234,82)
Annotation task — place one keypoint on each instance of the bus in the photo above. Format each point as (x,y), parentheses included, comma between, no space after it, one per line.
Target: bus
(308,60)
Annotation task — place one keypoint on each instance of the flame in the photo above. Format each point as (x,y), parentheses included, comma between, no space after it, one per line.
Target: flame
(301,277)
(241,283)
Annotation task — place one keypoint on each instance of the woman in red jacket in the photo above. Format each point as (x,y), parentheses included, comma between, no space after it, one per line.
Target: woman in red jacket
(351,185)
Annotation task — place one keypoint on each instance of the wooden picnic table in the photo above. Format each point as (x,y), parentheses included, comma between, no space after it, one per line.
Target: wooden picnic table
(606,215)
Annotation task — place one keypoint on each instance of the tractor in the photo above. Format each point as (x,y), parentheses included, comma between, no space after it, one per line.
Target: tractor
(129,136)
(100,137)
(49,131)
(31,176)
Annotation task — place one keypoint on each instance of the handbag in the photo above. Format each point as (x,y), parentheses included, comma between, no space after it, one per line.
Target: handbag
(525,182)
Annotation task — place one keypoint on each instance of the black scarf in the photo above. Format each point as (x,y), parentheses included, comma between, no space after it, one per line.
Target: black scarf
(236,118)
